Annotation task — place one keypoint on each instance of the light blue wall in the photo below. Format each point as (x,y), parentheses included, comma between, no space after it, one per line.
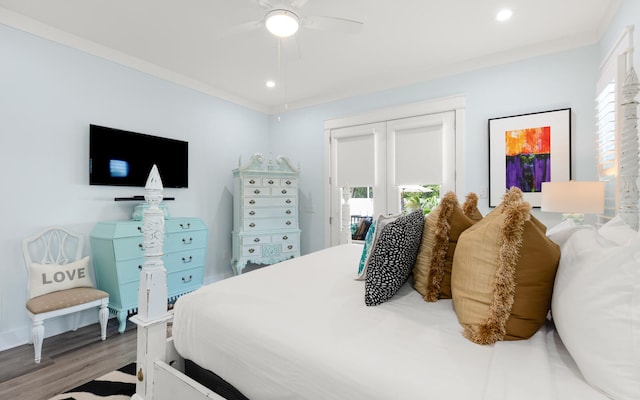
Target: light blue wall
(545,83)
(49,94)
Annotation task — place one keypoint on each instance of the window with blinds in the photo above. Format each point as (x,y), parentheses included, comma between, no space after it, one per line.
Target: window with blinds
(606,148)
(613,71)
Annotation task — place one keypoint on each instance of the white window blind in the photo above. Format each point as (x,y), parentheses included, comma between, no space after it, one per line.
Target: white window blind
(419,149)
(355,155)
(608,116)
(606,147)
(356,161)
(419,156)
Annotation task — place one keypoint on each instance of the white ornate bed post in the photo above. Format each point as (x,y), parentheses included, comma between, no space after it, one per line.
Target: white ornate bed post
(345,217)
(152,314)
(629,157)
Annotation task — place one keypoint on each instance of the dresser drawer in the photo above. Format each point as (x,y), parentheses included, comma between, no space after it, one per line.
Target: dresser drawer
(270,212)
(270,182)
(258,192)
(285,237)
(290,247)
(184,281)
(128,247)
(288,182)
(270,202)
(250,181)
(251,225)
(128,229)
(183,225)
(183,260)
(285,191)
(182,241)
(252,250)
(255,240)
(129,270)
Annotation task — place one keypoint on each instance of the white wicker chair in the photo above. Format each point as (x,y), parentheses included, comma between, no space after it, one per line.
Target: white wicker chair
(56,247)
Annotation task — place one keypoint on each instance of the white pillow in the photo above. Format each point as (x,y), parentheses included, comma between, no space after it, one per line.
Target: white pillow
(47,278)
(617,231)
(596,307)
(561,232)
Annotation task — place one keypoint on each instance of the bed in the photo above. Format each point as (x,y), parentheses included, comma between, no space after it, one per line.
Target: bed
(307,328)
(318,340)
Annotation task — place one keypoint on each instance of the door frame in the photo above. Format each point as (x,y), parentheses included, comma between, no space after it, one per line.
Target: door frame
(453,103)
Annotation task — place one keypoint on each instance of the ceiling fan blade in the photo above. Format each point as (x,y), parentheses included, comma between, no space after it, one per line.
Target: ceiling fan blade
(242,28)
(298,4)
(264,4)
(335,24)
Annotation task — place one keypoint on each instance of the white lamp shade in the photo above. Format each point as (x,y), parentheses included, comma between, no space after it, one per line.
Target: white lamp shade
(573,197)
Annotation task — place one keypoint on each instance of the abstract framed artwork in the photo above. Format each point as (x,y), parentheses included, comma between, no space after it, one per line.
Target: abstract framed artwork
(526,150)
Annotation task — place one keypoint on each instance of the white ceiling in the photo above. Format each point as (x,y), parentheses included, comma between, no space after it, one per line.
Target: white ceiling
(192,42)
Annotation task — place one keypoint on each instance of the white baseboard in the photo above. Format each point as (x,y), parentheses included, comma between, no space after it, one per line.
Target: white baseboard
(12,339)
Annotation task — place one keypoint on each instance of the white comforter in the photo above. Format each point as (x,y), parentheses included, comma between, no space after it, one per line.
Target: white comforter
(300,330)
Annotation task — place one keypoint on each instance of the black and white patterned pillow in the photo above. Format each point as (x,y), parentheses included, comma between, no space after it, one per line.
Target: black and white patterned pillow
(393,258)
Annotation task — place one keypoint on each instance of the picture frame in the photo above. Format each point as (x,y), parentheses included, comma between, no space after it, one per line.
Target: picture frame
(526,150)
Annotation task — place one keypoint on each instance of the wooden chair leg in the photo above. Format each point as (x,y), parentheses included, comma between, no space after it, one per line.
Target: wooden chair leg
(37,334)
(103,316)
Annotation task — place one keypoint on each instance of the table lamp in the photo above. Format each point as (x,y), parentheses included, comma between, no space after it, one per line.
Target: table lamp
(573,199)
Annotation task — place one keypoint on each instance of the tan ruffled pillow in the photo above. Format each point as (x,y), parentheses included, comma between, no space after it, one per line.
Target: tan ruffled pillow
(442,228)
(503,274)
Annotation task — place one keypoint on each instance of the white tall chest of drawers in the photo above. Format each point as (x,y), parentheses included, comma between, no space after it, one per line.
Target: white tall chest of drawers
(265,212)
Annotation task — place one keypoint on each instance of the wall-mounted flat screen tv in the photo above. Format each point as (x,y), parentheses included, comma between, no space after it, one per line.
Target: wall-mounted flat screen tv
(123,158)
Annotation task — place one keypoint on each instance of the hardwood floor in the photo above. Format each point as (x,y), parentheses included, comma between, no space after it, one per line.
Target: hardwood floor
(68,360)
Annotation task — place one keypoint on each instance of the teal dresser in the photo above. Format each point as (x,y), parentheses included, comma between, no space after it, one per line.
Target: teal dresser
(118,255)
(265,212)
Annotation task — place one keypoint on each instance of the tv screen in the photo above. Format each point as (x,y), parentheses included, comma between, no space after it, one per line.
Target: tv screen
(122,158)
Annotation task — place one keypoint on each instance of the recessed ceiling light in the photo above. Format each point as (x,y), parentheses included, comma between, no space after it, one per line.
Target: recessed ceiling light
(270,84)
(504,15)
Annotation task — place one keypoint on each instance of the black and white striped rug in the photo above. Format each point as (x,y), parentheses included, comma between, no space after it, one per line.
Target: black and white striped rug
(116,385)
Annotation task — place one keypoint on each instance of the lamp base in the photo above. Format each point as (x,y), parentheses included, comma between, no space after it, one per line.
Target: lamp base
(575,217)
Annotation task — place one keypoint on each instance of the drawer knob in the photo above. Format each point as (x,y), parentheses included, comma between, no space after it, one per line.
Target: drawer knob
(284,191)
(288,182)
(257,191)
(252,202)
(252,225)
(290,247)
(252,181)
(141,246)
(252,250)
(140,229)
(140,267)
(270,181)
(288,201)
(187,280)
(187,241)
(256,240)
(288,212)
(186,260)
(288,222)
(187,226)
(252,212)
(285,237)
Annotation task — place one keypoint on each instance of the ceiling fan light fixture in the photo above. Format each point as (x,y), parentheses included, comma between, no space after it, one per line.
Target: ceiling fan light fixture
(282,23)
(504,15)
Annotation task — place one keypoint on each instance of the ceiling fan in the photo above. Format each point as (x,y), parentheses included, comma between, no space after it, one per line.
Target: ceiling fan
(283,18)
